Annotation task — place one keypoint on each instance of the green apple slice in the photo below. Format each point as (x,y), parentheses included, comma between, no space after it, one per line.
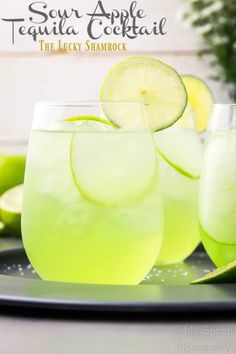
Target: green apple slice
(89,118)
(113,168)
(10,206)
(225,274)
(12,169)
(148,81)
(182,149)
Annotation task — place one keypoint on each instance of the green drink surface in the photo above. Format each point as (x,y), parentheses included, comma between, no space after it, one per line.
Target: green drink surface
(218,198)
(71,238)
(12,168)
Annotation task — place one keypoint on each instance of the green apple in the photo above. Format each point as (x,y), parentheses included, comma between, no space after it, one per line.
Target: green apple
(12,170)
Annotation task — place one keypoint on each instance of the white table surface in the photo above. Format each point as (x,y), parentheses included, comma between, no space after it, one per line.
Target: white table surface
(48,336)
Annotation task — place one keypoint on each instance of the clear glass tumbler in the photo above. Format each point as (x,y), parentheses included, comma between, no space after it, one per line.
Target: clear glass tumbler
(180,157)
(217,212)
(92,210)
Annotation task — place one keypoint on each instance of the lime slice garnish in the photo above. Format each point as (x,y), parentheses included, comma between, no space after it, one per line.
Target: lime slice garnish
(10,206)
(89,118)
(188,119)
(225,274)
(145,80)
(182,149)
(113,168)
(200,100)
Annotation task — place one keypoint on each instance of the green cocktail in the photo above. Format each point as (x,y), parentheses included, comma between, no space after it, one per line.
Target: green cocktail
(92,209)
(180,156)
(218,187)
(180,152)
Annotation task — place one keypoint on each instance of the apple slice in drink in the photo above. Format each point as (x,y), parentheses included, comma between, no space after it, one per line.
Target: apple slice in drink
(113,168)
(182,149)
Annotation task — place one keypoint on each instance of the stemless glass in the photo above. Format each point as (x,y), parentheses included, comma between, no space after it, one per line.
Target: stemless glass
(218,187)
(92,210)
(179,189)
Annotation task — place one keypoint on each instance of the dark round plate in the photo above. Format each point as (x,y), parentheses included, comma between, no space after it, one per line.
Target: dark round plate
(165,290)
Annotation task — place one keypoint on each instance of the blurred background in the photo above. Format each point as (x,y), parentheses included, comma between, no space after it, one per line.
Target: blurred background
(28,76)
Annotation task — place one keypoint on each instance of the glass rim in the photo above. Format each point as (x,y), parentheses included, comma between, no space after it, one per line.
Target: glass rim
(86,103)
(49,114)
(223,117)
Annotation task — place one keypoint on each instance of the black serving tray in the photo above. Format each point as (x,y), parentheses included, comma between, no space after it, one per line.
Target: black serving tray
(165,290)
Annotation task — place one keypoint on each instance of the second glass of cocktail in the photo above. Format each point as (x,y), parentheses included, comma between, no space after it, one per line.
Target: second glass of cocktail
(180,155)
(217,209)
(92,209)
